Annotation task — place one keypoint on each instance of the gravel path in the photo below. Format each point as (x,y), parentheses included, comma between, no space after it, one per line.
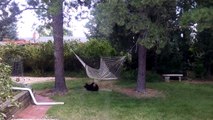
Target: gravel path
(31,80)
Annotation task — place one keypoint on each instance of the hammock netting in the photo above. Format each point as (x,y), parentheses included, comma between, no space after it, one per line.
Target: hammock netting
(109,69)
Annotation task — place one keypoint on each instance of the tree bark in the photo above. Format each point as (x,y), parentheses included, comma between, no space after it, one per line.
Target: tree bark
(60,85)
(141,79)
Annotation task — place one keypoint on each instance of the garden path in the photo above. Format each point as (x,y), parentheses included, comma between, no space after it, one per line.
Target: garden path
(34,111)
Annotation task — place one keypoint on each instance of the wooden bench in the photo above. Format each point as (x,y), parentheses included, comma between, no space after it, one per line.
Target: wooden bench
(167,76)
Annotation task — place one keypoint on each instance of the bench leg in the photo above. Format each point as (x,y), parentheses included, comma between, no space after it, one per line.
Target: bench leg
(179,79)
(167,79)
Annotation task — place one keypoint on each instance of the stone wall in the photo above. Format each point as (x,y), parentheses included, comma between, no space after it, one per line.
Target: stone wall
(23,98)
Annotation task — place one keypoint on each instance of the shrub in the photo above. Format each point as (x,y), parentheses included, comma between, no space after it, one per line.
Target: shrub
(153,77)
(97,48)
(132,75)
(92,50)
(129,75)
(39,58)
(11,52)
(199,69)
(5,85)
(70,61)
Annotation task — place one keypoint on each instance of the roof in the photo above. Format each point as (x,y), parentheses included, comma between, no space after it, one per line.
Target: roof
(16,42)
(66,38)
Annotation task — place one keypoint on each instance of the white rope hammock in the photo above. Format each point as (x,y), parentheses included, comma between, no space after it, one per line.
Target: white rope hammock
(110,67)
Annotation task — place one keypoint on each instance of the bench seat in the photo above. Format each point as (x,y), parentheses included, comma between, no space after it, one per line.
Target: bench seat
(167,76)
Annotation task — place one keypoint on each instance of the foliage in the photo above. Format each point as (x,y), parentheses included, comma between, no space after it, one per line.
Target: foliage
(5,85)
(39,58)
(8,12)
(11,52)
(54,13)
(198,68)
(69,57)
(46,30)
(170,60)
(46,10)
(149,21)
(182,101)
(97,48)
(137,18)
(200,13)
(202,53)
(131,75)
(90,52)
(9,32)
(205,46)
(202,16)
(153,77)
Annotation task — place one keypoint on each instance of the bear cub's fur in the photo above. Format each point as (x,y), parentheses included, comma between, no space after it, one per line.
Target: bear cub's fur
(91,87)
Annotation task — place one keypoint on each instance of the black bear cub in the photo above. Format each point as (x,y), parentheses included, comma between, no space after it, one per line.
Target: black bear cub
(91,87)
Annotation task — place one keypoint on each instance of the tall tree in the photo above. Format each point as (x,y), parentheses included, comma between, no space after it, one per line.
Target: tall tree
(57,24)
(148,20)
(200,18)
(57,13)
(52,13)
(175,57)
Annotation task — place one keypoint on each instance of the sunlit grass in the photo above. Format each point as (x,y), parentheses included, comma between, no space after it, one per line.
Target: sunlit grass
(183,101)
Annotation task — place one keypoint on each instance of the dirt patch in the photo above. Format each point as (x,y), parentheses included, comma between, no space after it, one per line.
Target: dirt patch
(149,93)
(106,84)
(110,86)
(103,85)
(208,80)
(48,93)
(45,93)
(199,81)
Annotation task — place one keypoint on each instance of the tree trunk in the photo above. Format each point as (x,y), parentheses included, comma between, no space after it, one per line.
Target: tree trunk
(60,85)
(141,79)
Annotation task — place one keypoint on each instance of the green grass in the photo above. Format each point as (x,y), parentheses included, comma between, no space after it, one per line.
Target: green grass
(183,101)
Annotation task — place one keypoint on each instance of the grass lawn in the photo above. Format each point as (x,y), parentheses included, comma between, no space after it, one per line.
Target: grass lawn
(183,101)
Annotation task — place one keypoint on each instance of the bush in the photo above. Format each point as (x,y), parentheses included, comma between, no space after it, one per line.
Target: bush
(10,53)
(153,77)
(132,75)
(199,69)
(71,63)
(5,85)
(96,48)
(129,75)
(39,59)
(92,50)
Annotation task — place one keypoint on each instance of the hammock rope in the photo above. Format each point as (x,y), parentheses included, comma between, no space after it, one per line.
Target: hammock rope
(109,69)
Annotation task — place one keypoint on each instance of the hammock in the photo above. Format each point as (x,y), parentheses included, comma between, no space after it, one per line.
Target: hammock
(110,67)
